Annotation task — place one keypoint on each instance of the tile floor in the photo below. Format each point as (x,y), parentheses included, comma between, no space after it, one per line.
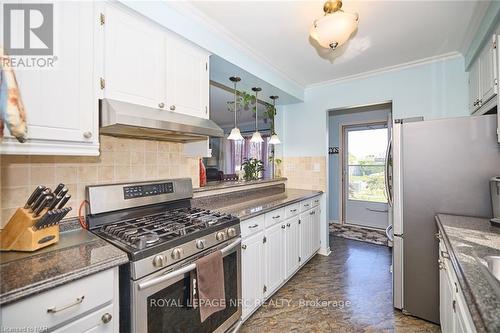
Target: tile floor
(353,287)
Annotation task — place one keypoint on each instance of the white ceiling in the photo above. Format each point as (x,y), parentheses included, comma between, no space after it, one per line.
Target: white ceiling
(389,33)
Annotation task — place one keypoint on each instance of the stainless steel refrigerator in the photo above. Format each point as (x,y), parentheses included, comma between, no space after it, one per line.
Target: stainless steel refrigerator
(438,166)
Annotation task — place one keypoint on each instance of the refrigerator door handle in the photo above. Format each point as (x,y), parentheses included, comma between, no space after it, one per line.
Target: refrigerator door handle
(389,234)
(388,191)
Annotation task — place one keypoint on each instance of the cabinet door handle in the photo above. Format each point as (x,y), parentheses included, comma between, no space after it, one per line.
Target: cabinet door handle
(283,226)
(87,134)
(312,213)
(244,247)
(161,105)
(288,225)
(253,226)
(306,205)
(64,307)
(172,107)
(293,210)
(445,254)
(106,318)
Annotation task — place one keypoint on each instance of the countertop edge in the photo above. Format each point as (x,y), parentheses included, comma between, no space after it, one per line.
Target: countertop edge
(462,280)
(31,290)
(235,184)
(283,204)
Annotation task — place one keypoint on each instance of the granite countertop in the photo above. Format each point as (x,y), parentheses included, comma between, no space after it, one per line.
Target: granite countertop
(245,207)
(469,240)
(229,184)
(77,254)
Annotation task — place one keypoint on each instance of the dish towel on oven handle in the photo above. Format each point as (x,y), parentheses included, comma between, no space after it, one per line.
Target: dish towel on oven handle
(12,113)
(210,284)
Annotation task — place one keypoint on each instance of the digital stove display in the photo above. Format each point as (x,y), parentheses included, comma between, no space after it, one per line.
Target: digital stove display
(137,191)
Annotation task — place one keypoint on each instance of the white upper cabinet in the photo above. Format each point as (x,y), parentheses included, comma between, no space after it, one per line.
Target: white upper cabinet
(134,58)
(187,78)
(147,65)
(61,104)
(483,78)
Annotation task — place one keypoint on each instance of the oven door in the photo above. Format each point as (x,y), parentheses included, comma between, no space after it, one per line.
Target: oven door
(162,302)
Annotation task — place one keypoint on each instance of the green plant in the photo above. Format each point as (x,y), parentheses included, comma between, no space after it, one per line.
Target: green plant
(252,168)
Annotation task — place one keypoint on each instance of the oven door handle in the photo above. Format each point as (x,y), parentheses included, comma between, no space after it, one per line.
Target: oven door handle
(182,270)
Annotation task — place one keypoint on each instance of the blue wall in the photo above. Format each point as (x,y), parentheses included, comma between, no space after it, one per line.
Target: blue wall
(433,90)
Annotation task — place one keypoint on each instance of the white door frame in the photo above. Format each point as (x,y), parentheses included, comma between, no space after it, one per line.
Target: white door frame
(342,185)
(328,112)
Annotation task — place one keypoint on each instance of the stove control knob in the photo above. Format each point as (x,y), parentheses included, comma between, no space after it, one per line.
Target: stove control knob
(159,260)
(177,253)
(200,244)
(231,232)
(220,236)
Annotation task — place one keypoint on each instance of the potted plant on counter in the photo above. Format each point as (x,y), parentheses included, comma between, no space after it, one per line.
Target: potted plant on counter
(252,168)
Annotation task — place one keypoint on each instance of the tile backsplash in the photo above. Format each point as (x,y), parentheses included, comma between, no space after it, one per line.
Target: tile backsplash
(305,172)
(120,160)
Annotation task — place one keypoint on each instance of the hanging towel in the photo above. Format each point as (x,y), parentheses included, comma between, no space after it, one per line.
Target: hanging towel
(210,281)
(12,112)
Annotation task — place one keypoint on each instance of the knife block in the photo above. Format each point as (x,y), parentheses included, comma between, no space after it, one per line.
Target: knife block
(20,235)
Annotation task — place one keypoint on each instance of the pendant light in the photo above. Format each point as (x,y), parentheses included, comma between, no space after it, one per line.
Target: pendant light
(335,27)
(235,132)
(256,137)
(275,140)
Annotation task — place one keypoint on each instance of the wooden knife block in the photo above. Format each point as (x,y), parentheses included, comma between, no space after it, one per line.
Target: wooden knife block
(20,235)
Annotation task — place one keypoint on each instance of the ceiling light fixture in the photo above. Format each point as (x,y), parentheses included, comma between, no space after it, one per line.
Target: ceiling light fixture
(256,137)
(235,132)
(275,140)
(335,28)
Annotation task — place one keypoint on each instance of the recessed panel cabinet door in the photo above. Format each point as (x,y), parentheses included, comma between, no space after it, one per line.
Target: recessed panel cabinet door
(134,58)
(274,256)
(305,235)
(474,87)
(315,229)
(292,246)
(59,102)
(252,273)
(488,74)
(187,78)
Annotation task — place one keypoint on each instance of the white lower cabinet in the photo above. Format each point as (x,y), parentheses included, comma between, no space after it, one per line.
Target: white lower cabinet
(252,273)
(274,257)
(453,312)
(274,246)
(89,304)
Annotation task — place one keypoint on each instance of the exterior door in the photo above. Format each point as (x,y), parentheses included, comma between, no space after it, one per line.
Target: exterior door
(365,198)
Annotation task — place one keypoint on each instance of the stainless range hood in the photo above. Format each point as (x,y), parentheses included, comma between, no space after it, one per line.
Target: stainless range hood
(129,120)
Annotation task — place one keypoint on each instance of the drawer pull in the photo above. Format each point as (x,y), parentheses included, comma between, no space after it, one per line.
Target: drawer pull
(253,226)
(244,247)
(306,205)
(106,318)
(76,302)
(312,213)
(283,226)
(293,210)
(288,225)
(316,201)
(276,217)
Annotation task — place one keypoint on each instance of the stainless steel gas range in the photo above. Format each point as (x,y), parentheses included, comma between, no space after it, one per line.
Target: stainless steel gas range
(164,236)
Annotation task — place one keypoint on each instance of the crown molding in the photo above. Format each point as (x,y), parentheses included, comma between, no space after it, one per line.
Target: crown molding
(383,70)
(189,10)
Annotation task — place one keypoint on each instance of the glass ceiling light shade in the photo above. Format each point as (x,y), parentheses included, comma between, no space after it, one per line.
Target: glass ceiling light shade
(256,137)
(275,140)
(335,28)
(235,132)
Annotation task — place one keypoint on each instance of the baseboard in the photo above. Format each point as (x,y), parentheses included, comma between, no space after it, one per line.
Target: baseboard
(334,222)
(324,251)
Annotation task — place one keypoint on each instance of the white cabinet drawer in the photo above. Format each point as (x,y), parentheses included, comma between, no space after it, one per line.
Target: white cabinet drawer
(316,201)
(305,205)
(100,321)
(275,216)
(292,210)
(62,303)
(251,226)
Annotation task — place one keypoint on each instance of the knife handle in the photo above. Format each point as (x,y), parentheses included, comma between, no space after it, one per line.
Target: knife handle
(55,201)
(38,190)
(58,188)
(42,205)
(64,201)
(39,200)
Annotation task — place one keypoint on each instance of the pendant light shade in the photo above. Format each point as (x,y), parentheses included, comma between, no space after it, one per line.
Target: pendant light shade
(275,140)
(335,28)
(235,132)
(256,137)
